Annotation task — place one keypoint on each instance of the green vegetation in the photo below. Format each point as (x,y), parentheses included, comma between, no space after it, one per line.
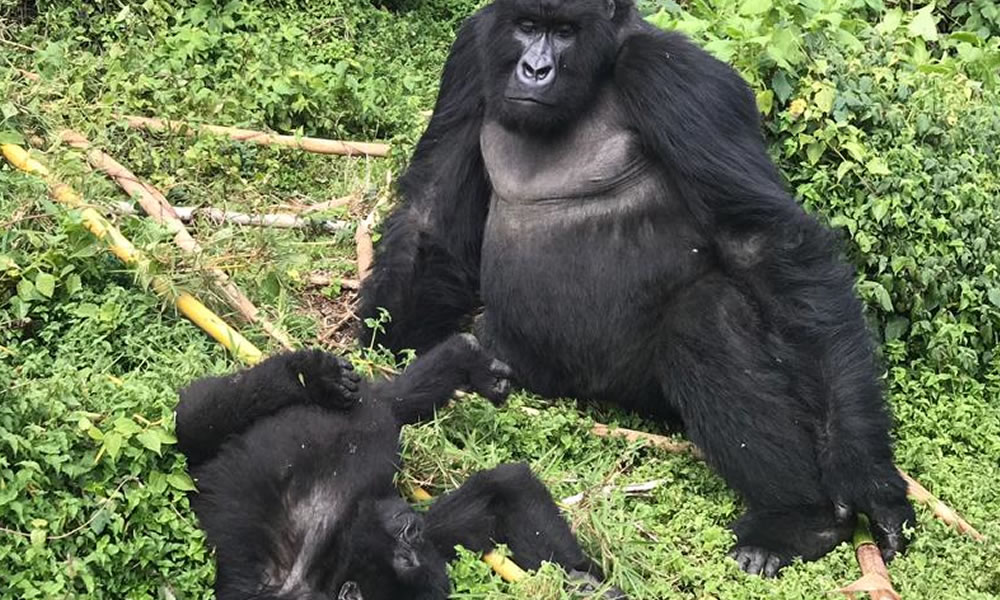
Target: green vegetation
(883,116)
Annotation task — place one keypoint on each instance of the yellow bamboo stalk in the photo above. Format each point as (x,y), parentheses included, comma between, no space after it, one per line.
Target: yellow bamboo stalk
(155,205)
(121,247)
(309,144)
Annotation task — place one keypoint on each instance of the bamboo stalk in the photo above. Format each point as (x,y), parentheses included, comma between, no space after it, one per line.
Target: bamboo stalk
(874,575)
(155,205)
(365,248)
(941,510)
(309,144)
(121,247)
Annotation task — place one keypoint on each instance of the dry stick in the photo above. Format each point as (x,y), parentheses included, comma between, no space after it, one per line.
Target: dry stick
(309,144)
(363,241)
(326,205)
(156,206)
(188,214)
(323,279)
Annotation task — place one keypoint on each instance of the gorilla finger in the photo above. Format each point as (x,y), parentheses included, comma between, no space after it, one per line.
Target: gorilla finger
(500,369)
(772,566)
(756,563)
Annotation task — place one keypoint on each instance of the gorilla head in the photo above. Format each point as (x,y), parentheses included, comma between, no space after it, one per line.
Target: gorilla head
(545,60)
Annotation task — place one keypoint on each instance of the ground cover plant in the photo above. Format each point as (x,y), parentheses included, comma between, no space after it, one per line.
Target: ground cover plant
(882,115)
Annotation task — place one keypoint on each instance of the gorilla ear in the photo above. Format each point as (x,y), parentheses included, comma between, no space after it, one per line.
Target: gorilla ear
(350,591)
(405,561)
(611,9)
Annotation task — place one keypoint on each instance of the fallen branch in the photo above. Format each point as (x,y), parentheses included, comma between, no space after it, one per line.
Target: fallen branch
(323,279)
(188,214)
(874,575)
(941,510)
(327,204)
(309,144)
(628,490)
(121,247)
(159,209)
(363,241)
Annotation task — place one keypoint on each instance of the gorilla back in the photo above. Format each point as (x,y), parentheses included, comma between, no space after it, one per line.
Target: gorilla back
(604,189)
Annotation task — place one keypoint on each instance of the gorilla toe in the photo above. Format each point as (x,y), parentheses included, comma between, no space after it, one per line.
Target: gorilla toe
(759,561)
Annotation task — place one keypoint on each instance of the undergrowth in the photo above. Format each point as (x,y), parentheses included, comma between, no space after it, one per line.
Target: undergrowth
(882,115)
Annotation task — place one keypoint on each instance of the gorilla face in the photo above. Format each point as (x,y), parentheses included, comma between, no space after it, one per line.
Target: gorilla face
(545,60)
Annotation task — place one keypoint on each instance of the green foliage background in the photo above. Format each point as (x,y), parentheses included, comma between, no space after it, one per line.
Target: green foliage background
(883,116)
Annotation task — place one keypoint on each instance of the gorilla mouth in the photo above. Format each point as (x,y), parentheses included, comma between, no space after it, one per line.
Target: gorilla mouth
(528,100)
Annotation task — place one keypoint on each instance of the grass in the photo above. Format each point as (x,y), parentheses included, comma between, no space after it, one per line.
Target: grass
(89,368)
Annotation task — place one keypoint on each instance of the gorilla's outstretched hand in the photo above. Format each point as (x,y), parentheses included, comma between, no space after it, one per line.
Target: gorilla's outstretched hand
(329,380)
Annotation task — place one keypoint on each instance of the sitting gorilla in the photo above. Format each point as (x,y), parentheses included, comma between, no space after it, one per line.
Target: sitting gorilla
(295,458)
(602,188)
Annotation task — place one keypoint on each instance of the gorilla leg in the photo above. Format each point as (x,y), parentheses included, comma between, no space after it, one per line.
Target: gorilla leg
(213,408)
(432,378)
(509,505)
(733,383)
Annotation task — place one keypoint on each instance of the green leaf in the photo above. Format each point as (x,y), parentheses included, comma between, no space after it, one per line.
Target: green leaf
(45,284)
(754,7)
(150,440)
(765,101)
(113,444)
(994,296)
(814,152)
(824,99)
(879,209)
(878,166)
(844,168)
(86,310)
(38,538)
(11,137)
(924,24)
(181,481)
(891,22)
(126,426)
(896,327)
(25,290)
(781,87)
(856,150)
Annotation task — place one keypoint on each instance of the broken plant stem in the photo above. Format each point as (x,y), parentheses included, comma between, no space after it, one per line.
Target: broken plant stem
(155,205)
(187,214)
(874,575)
(942,511)
(309,144)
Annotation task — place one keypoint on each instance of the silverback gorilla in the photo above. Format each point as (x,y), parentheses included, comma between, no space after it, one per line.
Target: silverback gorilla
(295,460)
(602,188)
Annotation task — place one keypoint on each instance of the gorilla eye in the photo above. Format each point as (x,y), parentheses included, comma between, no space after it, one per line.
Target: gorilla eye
(526,25)
(565,31)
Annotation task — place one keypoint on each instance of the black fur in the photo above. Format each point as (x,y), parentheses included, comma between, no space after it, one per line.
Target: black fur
(294,461)
(673,274)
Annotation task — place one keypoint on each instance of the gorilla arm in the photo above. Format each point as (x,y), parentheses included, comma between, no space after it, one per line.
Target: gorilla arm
(698,119)
(213,408)
(426,269)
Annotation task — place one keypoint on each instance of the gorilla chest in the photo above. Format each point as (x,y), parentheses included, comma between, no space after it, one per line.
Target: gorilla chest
(577,224)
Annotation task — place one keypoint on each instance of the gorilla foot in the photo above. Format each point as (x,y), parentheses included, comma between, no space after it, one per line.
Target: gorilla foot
(768,540)
(754,560)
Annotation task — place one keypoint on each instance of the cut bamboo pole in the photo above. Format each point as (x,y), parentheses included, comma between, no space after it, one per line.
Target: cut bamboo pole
(159,209)
(309,144)
(365,248)
(121,247)
(874,575)
(941,510)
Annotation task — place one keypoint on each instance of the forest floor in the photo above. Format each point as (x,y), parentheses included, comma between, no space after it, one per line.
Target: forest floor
(92,490)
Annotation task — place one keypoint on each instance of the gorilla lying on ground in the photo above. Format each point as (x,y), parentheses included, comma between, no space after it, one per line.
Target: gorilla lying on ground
(295,458)
(603,188)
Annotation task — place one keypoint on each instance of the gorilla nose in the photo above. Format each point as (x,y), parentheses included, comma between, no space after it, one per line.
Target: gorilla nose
(535,74)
